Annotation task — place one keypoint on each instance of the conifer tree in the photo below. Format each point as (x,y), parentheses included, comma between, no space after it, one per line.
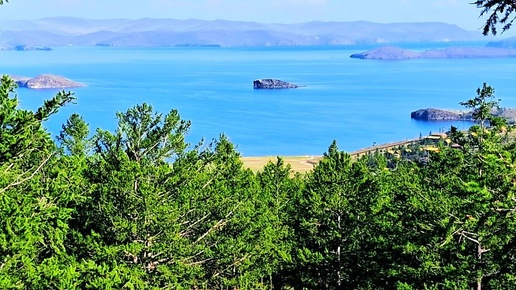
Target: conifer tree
(36,200)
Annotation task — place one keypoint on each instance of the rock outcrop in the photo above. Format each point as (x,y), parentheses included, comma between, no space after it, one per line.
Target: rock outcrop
(272,84)
(45,81)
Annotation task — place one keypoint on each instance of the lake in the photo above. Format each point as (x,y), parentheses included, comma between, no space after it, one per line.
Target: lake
(356,102)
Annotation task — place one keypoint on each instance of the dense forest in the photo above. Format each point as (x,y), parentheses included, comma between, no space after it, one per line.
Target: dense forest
(139,208)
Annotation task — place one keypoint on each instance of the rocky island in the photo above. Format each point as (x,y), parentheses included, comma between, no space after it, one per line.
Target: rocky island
(272,84)
(26,48)
(31,48)
(433,114)
(45,81)
(397,53)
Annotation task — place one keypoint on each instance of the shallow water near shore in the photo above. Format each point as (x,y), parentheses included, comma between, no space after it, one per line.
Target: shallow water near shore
(356,102)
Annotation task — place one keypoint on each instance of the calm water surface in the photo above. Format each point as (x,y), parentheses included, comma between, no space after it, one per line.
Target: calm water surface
(356,102)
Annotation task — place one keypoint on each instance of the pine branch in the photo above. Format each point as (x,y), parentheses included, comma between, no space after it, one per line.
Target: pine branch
(28,177)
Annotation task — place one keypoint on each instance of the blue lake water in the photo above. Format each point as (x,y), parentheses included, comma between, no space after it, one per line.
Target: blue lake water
(356,102)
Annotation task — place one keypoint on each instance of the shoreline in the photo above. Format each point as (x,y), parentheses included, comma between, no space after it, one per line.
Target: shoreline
(304,163)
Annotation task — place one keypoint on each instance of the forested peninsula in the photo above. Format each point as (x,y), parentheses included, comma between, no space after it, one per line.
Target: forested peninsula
(433,114)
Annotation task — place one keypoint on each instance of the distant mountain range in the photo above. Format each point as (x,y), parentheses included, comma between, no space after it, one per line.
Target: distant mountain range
(62,31)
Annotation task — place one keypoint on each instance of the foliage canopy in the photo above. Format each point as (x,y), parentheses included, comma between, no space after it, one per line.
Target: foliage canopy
(139,208)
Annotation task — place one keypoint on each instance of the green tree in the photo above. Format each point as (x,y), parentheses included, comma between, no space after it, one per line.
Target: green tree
(21,131)
(149,136)
(277,195)
(37,199)
(131,219)
(74,136)
(475,194)
(483,107)
(333,229)
(236,222)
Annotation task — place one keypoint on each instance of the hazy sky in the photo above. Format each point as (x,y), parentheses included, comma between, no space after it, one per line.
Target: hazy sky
(458,12)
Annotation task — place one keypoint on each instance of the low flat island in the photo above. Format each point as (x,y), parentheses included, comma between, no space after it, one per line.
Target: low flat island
(397,53)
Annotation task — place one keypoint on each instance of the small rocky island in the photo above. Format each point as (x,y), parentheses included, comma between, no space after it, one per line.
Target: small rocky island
(433,114)
(26,48)
(31,48)
(272,84)
(45,81)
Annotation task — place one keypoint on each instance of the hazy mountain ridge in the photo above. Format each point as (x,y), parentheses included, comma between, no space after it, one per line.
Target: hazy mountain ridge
(168,32)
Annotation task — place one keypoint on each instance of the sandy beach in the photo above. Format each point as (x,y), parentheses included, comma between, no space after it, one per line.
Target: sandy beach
(299,163)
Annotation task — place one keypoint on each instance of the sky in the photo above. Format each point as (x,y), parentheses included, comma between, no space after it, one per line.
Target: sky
(458,12)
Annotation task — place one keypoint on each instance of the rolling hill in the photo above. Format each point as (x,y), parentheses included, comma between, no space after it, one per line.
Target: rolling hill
(61,31)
